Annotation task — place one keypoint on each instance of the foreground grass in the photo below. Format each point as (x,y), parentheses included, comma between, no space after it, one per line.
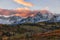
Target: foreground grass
(28,31)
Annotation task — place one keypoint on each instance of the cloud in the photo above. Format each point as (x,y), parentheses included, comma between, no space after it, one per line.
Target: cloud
(45,8)
(28,4)
(25,8)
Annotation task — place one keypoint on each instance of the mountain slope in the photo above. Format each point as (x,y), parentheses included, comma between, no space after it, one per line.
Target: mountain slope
(27,16)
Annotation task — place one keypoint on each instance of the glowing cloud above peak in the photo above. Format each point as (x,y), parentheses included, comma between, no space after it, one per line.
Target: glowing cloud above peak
(25,8)
(45,8)
(28,4)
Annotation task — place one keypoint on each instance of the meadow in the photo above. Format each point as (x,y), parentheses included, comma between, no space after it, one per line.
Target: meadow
(28,31)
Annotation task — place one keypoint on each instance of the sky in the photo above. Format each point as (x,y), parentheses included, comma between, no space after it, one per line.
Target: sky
(52,5)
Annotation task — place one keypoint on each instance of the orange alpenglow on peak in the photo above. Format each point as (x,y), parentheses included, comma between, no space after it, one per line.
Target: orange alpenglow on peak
(25,15)
(4,12)
(22,13)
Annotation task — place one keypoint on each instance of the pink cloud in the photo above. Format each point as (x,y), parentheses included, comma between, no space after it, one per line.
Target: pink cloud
(28,4)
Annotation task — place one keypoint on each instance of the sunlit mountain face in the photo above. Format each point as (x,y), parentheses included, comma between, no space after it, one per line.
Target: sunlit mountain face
(21,12)
(20,16)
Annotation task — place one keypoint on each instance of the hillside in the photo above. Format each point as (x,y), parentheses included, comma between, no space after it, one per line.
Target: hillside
(28,31)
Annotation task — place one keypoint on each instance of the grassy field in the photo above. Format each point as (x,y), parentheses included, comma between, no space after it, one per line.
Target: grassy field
(28,31)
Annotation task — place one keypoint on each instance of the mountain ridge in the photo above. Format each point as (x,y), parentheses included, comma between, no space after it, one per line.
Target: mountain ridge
(26,16)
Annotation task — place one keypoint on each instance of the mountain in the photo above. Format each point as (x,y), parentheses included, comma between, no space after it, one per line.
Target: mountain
(55,18)
(27,16)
